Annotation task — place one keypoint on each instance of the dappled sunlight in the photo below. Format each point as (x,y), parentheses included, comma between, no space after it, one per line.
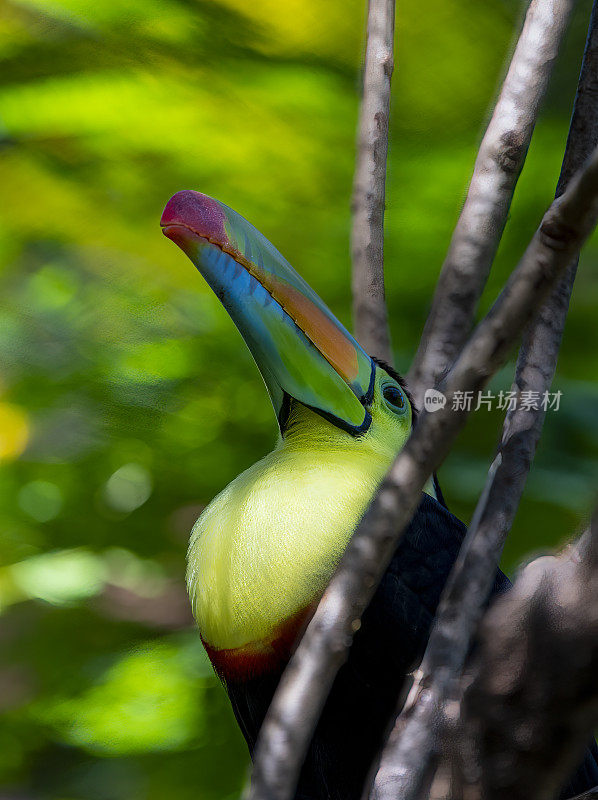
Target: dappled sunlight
(14,431)
(149,699)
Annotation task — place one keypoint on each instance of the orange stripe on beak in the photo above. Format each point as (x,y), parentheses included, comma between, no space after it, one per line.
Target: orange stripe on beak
(319,329)
(302,351)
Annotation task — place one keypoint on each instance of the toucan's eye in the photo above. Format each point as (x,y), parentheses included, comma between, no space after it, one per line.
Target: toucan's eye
(394,397)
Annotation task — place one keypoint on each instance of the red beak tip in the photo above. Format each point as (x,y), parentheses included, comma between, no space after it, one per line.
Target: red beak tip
(195,211)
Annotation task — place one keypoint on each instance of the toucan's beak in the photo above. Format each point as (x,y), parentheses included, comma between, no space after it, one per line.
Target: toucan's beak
(301,349)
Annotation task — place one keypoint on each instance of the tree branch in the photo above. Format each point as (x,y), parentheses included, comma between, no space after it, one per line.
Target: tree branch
(531,699)
(592,794)
(367,236)
(484,214)
(413,741)
(306,682)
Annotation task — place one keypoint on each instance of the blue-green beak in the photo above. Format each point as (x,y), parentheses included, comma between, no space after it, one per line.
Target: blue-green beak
(301,349)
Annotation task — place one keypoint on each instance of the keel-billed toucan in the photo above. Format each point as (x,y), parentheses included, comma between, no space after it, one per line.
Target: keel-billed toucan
(264,549)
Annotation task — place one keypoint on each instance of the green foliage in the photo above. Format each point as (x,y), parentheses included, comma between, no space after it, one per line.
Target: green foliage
(123,714)
(127,399)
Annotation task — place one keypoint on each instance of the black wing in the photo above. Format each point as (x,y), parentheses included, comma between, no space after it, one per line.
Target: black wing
(390,643)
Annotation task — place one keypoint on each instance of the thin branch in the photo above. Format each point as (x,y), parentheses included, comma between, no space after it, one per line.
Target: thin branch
(307,680)
(587,546)
(471,579)
(592,794)
(367,236)
(484,215)
(531,699)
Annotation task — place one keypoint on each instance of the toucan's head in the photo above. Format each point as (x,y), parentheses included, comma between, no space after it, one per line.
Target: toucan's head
(313,368)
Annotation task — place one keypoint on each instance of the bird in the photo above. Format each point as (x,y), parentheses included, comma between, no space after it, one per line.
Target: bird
(263,550)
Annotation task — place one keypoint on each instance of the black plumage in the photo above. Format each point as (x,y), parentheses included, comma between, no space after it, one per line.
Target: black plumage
(389,644)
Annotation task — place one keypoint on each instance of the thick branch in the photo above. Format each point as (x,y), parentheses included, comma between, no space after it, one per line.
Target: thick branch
(367,236)
(471,580)
(305,685)
(531,699)
(484,215)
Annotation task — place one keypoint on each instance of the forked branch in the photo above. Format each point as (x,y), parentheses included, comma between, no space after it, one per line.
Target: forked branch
(304,687)
(470,582)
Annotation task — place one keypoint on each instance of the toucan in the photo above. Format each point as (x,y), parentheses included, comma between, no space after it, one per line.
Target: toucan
(263,551)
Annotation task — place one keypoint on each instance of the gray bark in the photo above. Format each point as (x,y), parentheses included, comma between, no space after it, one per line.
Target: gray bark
(471,580)
(304,687)
(370,315)
(484,214)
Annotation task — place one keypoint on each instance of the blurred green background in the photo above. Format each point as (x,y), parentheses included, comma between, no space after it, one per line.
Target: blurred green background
(127,399)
